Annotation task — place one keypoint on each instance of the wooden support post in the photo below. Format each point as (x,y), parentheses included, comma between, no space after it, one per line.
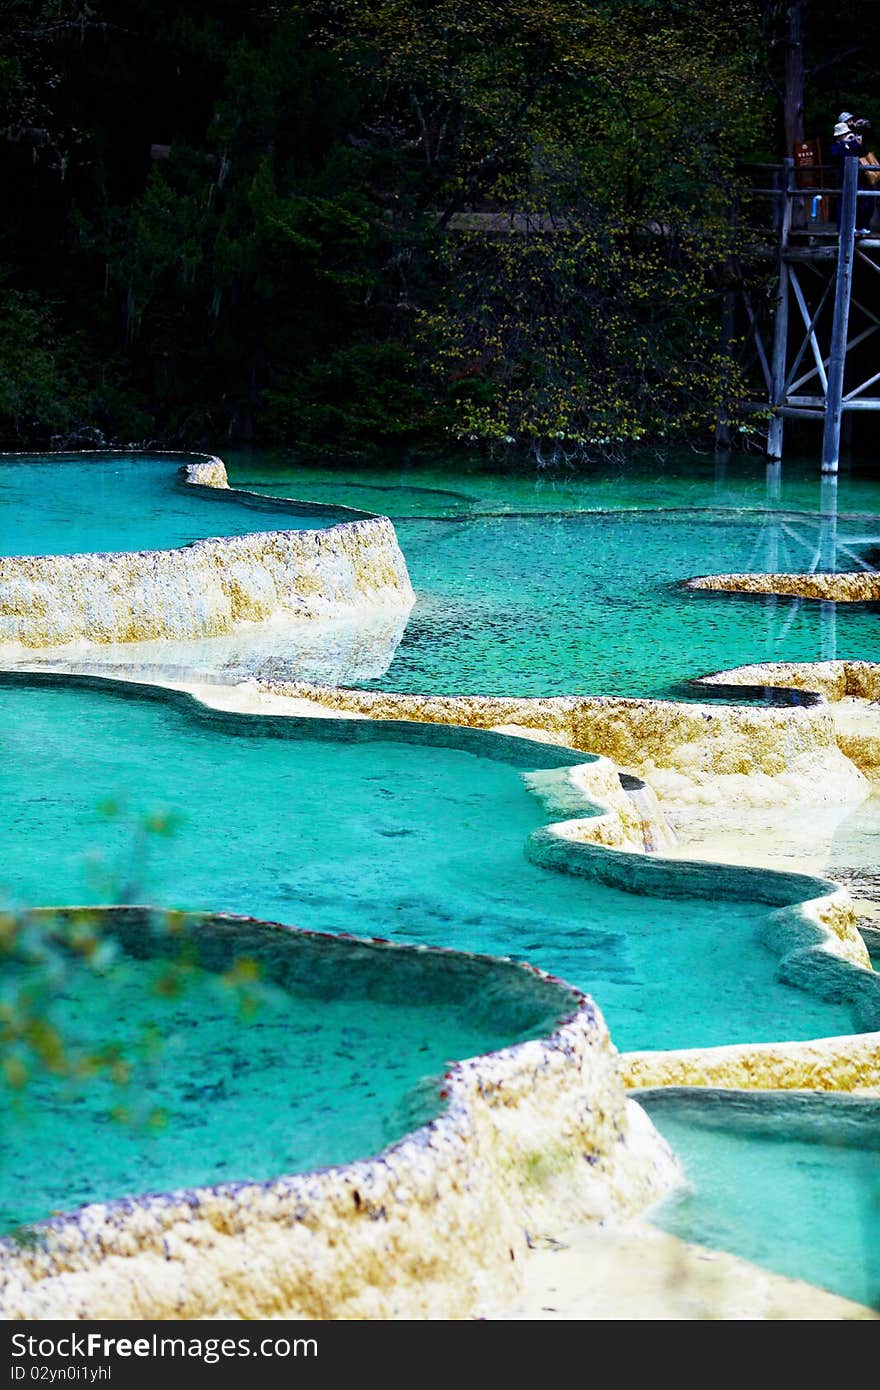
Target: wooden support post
(793,113)
(773,480)
(828,505)
(780,325)
(840,327)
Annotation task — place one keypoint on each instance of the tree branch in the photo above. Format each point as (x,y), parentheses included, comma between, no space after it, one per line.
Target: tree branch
(833,60)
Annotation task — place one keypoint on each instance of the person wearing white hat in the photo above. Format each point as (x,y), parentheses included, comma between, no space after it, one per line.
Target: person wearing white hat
(848,143)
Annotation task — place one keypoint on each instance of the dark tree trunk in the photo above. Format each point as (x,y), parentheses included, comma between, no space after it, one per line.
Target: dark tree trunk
(794,77)
(794,94)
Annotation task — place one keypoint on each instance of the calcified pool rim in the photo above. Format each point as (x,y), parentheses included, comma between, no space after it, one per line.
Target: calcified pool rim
(819,943)
(812,932)
(828,1133)
(862,586)
(427,1227)
(208,587)
(735,740)
(732,741)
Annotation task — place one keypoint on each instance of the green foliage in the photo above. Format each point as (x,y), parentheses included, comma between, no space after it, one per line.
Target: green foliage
(295,269)
(358,397)
(581,316)
(45,956)
(35,391)
(574,347)
(35,966)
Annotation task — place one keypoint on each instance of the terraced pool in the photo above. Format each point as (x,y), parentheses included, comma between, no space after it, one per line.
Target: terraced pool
(318,1054)
(525,588)
(412,832)
(789,1181)
(415,833)
(80,504)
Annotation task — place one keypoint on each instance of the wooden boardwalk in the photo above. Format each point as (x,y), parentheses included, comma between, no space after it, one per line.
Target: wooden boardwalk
(822,315)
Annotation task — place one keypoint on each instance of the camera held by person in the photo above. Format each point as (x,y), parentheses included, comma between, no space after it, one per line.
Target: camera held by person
(848,143)
(848,131)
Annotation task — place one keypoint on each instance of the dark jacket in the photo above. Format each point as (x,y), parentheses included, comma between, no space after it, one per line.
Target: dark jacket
(841,149)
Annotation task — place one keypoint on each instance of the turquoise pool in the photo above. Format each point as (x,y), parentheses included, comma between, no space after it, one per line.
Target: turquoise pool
(73,505)
(412,832)
(462,487)
(791,1182)
(534,585)
(525,588)
(230,1083)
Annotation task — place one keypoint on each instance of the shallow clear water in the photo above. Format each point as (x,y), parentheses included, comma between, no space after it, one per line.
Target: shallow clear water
(421,841)
(589,605)
(339,651)
(856,839)
(69,506)
(215,1095)
(461,487)
(793,1186)
(415,833)
(523,588)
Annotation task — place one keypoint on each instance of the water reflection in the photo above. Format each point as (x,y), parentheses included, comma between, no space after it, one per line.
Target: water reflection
(802,545)
(337,652)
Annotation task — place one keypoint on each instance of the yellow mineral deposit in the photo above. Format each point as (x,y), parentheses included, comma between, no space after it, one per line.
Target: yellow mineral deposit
(507,1155)
(204,589)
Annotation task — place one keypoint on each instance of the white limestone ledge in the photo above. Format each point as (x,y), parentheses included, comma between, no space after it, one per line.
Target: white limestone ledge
(688,753)
(860,586)
(435,1226)
(612,829)
(850,688)
(814,935)
(207,472)
(205,589)
(621,812)
(849,1063)
(813,932)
